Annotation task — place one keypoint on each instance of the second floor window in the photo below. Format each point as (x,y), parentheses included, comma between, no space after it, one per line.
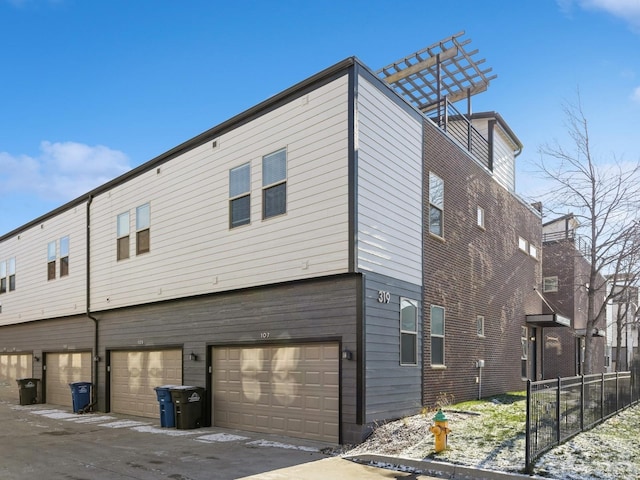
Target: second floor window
(12,274)
(51,260)
(143,232)
(3,277)
(550,284)
(64,256)
(123,236)
(240,195)
(436,204)
(274,184)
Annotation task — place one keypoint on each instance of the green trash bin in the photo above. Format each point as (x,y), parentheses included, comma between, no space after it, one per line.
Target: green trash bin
(189,406)
(28,388)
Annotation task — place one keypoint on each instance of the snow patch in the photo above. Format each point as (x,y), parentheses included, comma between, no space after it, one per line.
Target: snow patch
(267,443)
(123,424)
(221,437)
(171,432)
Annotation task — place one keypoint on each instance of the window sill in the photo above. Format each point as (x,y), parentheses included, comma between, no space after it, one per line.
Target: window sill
(438,367)
(437,237)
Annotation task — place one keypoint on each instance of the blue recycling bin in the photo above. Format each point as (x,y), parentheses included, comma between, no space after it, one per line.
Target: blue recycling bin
(167,408)
(80,395)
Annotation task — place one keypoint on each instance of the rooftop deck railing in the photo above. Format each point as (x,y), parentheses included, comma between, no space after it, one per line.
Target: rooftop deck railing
(459,127)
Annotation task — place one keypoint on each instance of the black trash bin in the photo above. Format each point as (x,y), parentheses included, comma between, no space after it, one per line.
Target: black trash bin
(167,409)
(80,395)
(28,388)
(189,405)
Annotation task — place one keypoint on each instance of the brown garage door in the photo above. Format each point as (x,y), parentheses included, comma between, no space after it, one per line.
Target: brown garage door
(12,367)
(135,374)
(291,390)
(63,369)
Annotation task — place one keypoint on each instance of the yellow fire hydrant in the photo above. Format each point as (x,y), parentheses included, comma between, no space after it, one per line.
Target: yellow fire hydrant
(440,431)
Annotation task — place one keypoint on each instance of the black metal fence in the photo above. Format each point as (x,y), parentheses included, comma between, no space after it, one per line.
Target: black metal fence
(561,408)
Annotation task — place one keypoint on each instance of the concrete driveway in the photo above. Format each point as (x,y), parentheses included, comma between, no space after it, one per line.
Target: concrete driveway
(48,441)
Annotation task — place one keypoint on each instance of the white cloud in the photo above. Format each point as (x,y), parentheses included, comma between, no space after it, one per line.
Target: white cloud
(627,10)
(62,171)
(635,96)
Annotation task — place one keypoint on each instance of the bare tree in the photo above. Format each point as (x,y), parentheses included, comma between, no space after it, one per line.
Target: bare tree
(604,197)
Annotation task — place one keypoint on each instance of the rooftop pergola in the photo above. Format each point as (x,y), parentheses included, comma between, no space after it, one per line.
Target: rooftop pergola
(445,68)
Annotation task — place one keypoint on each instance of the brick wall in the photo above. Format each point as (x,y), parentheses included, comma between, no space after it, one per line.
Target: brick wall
(473,271)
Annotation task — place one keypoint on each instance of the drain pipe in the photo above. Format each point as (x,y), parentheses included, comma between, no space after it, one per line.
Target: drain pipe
(96,356)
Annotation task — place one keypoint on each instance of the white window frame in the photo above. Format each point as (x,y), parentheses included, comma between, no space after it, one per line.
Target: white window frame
(409,333)
(533,251)
(269,184)
(550,284)
(480,217)
(438,335)
(143,224)
(524,356)
(239,191)
(523,245)
(480,326)
(436,202)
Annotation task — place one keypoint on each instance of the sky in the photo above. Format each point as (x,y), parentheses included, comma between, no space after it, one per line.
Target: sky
(92,88)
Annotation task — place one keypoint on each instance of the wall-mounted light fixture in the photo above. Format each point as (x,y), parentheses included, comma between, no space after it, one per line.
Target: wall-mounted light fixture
(346,354)
(193,357)
(36,358)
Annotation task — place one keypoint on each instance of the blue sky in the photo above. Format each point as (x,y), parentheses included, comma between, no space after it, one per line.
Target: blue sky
(92,88)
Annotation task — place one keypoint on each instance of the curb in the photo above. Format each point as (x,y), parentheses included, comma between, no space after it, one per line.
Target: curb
(439,469)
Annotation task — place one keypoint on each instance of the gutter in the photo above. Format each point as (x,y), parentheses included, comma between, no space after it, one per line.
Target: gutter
(96,357)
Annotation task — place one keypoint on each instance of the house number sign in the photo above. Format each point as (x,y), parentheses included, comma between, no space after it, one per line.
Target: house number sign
(384,297)
(264,335)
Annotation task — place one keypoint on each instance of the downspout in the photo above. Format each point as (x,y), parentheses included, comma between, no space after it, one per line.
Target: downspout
(96,357)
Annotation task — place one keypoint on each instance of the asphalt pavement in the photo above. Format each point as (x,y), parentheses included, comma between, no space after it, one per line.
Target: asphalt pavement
(49,441)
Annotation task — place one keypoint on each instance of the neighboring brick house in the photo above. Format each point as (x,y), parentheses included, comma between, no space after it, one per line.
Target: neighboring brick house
(341,254)
(566,272)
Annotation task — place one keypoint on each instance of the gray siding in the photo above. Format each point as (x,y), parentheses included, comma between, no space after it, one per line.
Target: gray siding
(305,311)
(392,390)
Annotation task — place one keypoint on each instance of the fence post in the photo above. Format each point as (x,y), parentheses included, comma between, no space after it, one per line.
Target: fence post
(558,411)
(602,396)
(527,436)
(582,405)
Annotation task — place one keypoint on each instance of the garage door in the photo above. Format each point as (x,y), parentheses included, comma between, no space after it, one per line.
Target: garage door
(63,369)
(135,374)
(12,367)
(291,390)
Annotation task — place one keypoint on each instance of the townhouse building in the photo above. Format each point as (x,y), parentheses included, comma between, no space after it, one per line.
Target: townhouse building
(566,272)
(343,253)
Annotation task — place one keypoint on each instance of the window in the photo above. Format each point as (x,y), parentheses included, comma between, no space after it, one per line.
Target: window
(533,251)
(523,244)
(123,236)
(3,277)
(51,260)
(240,195)
(437,335)
(436,204)
(550,284)
(64,256)
(524,340)
(480,325)
(143,235)
(408,332)
(480,217)
(12,274)
(274,184)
